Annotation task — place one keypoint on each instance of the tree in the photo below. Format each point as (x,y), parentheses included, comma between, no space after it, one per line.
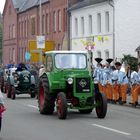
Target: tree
(131,61)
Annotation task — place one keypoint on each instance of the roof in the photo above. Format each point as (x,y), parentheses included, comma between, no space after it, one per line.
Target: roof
(28,4)
(18,3)
(85,3)
(138,49)
(23,5)
(65,52)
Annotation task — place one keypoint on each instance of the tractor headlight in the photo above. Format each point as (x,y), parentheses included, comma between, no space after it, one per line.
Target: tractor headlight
(70,81)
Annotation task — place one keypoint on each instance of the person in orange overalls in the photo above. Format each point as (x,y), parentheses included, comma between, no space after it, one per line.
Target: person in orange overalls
(122,83)
(135,90)
(96,75)
(107,80)
(115,87)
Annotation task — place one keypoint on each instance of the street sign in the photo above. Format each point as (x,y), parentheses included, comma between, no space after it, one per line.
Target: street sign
(27,56)
(40,42)
(34,51)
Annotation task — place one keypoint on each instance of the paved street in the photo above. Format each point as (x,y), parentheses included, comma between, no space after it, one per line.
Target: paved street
(22,121)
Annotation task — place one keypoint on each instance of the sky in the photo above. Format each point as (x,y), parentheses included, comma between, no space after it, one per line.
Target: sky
(2,2)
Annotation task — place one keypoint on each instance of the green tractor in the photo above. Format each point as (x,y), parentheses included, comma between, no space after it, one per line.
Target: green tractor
(67,83)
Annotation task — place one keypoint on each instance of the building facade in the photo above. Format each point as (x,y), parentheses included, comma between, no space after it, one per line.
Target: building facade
(22,23)
(105,25)
(92,24)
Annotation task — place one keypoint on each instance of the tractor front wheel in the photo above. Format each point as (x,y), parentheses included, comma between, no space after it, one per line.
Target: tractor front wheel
(61,103)
(101,105)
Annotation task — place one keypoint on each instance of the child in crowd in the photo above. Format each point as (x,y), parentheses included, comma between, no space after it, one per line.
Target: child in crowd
(2,108)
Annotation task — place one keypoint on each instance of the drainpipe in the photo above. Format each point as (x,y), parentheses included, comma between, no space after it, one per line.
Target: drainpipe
(68,25)
(111,3)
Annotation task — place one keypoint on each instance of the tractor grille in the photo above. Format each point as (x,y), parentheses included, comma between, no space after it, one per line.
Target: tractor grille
(82,85)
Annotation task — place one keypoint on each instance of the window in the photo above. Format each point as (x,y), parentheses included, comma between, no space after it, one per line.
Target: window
(90,24)
(107,21)
(99,54)
(9,32)
(99,23)
(47,23)
(54,21)
(9,10)
(25,26)
(13,55)
(107,54)
(59,20)
(70,61)
(82,26)
(23,29)
(33,25)
(64,19)
(76,26)
(13,31)
(43,24)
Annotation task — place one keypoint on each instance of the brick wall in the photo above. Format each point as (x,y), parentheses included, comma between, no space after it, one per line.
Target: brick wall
(23,22)
(10,40)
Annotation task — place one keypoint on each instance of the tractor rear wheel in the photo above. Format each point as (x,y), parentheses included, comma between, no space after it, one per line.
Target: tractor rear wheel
(101,105)
(8,91)
(61,104)
(45,99)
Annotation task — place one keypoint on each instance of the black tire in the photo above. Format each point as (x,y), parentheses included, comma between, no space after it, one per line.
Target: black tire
(9,91)
(33,91)
(32,94)
(101,105)
(13,93)
(86,111)
(45,99)
(5,88)
(61,104)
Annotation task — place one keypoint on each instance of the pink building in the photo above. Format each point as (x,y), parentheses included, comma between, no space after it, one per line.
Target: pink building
(21,24)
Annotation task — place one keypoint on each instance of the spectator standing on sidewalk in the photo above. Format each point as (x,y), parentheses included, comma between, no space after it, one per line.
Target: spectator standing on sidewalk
(2,108)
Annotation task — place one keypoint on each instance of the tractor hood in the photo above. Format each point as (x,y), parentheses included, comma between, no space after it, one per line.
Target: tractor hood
(74,73)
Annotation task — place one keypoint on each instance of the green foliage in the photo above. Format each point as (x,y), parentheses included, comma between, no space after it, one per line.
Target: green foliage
(130,60)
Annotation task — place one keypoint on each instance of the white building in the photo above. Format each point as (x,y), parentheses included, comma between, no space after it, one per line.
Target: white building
(114,27)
